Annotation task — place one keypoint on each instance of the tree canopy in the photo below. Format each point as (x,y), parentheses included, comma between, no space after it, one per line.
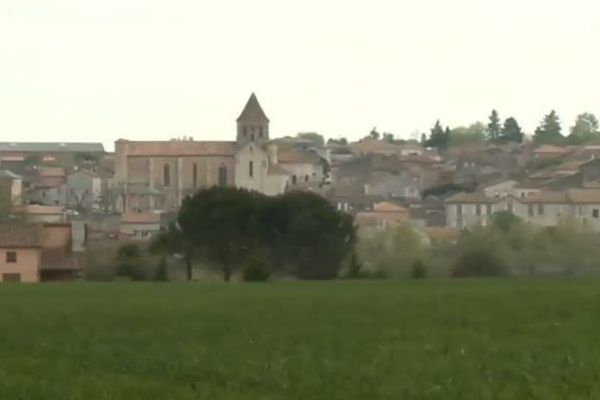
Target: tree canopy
(549,130)
(511,131)
(300,233)
(585,129)
(493,128)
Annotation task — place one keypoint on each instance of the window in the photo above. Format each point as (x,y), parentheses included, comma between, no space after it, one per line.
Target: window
(488,209)
(595,213)
(294,179)
(245,131)
(167,175)
(222,175)
(195,175)
(478,209)
(459,209)
(540,209)
(306,178)
(260,132)
(530,210)
(12,278)
(251,169)
(11,256)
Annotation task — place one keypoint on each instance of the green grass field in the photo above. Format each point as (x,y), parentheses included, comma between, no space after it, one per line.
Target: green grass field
(504,339)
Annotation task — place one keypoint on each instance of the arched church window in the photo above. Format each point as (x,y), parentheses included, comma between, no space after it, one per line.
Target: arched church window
(306,178)
(294,179)
(167,175)
(222,175)
(245,131)
(260,132)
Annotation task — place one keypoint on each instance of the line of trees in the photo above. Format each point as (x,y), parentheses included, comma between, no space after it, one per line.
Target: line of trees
(296,233)
(549,131)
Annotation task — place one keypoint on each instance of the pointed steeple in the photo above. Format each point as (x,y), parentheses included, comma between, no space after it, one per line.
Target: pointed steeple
(253,112)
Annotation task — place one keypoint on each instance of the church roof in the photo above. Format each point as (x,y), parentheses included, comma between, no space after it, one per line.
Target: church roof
(253,111)
(181,148)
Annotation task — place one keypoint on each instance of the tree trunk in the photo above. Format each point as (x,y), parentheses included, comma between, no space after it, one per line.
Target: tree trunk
(188,265)
(226,272)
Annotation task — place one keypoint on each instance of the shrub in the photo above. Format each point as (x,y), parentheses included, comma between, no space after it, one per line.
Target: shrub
(419,270)
(478,262)
(355,267)
(132,269)
(162,273)
(130,250)
(256,269)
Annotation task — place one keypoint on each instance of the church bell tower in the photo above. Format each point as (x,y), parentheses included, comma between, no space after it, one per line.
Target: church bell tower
(252,124)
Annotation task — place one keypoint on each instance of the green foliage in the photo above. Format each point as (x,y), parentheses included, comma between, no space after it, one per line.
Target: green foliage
(419,270)
(549,131)
(392,252)
(493,127)
(585,129)
(439,138)
(511,131)
(505,220)
(355,267)
(474,133)
(374,134)
(314,137)
(162,273)
(301,231)
(257,268)
(129,251)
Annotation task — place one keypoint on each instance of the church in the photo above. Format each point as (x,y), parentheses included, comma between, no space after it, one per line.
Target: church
(158,175)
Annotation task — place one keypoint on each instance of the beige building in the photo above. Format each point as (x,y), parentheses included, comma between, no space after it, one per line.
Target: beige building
(545,208)
(158,175)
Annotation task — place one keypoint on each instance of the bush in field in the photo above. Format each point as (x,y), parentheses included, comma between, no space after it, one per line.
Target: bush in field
(393,252)
(419,270)
(257,269)
(162,274)
(478,263)
(129,251)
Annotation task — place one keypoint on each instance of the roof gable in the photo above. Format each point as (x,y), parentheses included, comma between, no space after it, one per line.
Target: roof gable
(253,111)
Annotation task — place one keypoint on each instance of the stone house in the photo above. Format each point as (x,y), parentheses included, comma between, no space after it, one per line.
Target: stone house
(140,226)
(383,215)
(38,252)
(84,190)
(544,208)
(12,184)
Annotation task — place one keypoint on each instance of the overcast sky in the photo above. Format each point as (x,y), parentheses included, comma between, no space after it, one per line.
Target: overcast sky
(74,70)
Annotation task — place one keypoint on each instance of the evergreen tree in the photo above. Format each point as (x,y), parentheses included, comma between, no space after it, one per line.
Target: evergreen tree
(494,128)
(439,138)
(511,131)
(585,129)
(549,131)
(374,134)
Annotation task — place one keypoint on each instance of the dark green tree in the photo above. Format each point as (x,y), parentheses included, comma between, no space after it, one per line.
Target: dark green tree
(162,274)
(511,131)
(222,223)
(493,127)
(172,241)
(585,129)
(374,134)
(307,235)
(549,131)
(439,138)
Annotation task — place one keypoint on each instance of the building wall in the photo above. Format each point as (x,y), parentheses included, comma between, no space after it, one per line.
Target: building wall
(314,172)
(27,265)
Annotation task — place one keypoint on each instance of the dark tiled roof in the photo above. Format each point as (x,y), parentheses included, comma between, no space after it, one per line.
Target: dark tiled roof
(58,260)
(253,111)
(51,147)
(19,235)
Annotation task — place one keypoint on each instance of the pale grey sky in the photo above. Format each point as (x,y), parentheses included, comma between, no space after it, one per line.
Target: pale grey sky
(86,70)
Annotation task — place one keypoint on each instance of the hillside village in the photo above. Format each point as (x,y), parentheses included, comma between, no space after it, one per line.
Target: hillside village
(65,204)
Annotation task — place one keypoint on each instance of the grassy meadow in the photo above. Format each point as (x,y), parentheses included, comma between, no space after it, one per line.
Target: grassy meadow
(473,339)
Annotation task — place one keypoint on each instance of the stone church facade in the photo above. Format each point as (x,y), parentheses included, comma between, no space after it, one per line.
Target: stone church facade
(158,175)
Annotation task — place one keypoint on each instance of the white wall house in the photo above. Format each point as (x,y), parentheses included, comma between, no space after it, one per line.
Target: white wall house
(545,208)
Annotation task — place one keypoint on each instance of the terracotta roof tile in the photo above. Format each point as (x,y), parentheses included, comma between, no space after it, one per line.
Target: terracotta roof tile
(180,148)
(20,235)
